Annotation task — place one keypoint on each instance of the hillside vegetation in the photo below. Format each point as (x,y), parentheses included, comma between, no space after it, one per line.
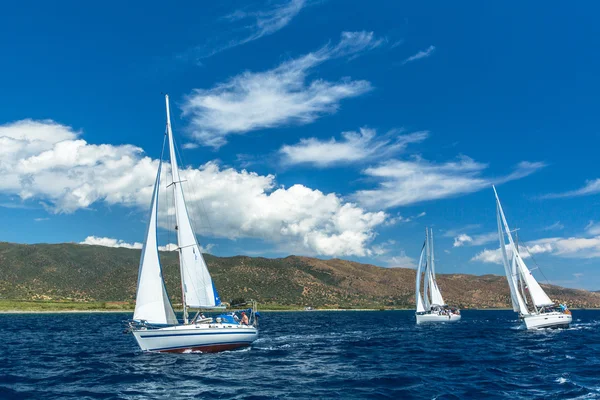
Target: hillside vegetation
(73,272)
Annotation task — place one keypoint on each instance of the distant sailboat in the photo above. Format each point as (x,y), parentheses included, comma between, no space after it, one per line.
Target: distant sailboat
(431,306)
(154,325)
(535,308)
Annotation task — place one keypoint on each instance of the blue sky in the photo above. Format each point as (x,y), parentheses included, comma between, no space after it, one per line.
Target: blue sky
(322,128)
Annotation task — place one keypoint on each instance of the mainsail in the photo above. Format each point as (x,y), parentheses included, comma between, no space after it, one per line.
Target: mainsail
(152,303)
(197,286)
(419,299)
(436,295)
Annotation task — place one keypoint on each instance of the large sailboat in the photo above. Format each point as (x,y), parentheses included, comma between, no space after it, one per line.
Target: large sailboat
(535,308)
(154,324)
(431,306)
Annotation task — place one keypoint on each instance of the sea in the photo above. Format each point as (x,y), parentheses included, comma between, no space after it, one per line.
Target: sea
(306,355)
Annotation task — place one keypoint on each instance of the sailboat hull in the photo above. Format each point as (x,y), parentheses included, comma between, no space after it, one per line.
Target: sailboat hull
(427,318)
(547,320)
(205,338)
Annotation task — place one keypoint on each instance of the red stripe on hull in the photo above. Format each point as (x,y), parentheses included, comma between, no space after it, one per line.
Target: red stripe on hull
(214,348)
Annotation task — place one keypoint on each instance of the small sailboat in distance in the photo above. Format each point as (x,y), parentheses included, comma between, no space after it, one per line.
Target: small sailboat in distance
(154,325)
(431,306)
(535,308)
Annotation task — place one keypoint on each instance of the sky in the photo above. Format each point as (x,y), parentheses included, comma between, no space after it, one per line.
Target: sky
(323,128)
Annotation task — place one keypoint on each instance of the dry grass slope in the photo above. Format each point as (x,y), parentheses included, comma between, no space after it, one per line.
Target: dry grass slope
(100,274)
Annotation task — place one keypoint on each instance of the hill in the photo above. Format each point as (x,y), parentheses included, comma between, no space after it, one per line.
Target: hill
(94,273)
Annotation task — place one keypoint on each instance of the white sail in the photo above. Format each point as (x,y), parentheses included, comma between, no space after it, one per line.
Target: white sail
(537,294)
(152,303)
(510,270)
(436,295)
(419,299)
(198,288)
(427,274)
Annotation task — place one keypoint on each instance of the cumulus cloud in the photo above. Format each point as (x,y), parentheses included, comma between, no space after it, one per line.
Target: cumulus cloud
(476,240)
(572,247)
(590,187)
(280,96)
(363,145)
(404,182)
(110,242)
(49,162)
(421,54)
(401,261)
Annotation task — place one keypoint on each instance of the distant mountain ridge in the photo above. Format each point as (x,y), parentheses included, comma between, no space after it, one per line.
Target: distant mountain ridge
(83,272)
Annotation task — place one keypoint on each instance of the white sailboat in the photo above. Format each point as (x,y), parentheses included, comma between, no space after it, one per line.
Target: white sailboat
(431,306)
(154,325)
(535,308)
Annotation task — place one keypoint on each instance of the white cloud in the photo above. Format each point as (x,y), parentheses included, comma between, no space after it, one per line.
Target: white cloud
(455,232)
(557,226)
(110,242)
(40,219)
(406,182)
(48,162)
(476,240)
(401,261)
(421,54)
(354,146)
(590,187)
(572,247)
(270,21)
(593,228)
(257,24)
(172,247)
(281,96)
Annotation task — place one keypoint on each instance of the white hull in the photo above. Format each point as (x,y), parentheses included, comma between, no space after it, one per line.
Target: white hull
(206,338)
(425,318)
(547,320)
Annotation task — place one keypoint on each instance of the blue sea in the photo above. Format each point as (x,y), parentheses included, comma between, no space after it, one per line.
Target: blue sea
(307,355)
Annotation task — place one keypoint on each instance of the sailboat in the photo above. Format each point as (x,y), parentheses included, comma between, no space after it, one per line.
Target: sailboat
(431,306)
(154,325)
(535,308)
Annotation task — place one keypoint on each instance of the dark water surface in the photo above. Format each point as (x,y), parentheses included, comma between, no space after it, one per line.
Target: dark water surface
(344,355)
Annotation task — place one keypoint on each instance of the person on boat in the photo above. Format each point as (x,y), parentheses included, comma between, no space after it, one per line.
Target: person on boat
(244,320)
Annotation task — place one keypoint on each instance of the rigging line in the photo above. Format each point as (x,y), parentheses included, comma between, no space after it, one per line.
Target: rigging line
(181,156)
(537,265)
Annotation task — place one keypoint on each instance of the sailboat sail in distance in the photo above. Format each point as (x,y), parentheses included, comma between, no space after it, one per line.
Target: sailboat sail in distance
(430,305)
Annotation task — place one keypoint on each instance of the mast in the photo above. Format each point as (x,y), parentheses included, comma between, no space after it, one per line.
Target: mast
(432,255)
(176,181)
